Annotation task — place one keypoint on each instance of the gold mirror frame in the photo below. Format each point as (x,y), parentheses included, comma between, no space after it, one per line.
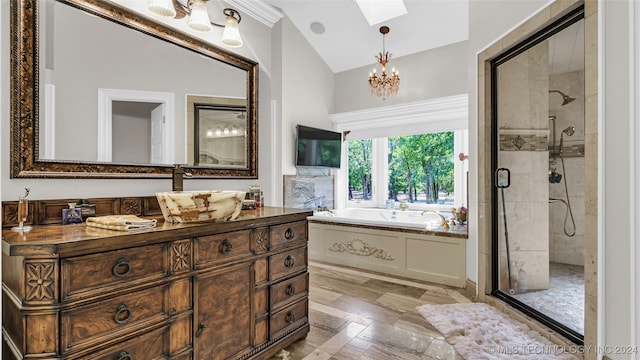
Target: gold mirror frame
(25,97)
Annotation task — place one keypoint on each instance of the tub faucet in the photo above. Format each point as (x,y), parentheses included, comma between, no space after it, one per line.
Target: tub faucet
(443,221)
(178,176)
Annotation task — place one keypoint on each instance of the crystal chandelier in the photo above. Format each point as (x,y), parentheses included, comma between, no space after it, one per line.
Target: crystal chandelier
(384,86)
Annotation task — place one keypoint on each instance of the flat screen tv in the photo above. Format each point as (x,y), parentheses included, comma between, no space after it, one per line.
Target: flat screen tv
(317,147)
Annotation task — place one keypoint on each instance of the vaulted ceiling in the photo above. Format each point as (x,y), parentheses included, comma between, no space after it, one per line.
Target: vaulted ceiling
(342,36)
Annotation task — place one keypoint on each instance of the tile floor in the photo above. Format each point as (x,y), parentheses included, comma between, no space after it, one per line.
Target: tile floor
(357,315)
(564,300)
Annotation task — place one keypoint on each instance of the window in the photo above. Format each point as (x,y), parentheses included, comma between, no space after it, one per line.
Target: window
(427,135)
(421,169)
(359,158)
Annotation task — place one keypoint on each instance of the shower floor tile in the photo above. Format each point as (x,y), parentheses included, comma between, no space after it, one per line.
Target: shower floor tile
(564,300)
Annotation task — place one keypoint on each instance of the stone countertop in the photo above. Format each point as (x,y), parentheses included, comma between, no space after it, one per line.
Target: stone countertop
(77,239)
(455,231)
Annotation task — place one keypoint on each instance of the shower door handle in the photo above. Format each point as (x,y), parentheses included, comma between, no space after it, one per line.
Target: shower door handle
(502,178)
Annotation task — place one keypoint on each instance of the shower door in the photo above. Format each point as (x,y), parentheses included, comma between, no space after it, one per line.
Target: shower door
(538,196)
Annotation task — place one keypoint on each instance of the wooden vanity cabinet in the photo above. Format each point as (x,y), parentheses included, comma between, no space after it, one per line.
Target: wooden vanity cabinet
(210,291)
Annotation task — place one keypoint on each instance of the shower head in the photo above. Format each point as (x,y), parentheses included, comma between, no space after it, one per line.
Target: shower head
(565,98)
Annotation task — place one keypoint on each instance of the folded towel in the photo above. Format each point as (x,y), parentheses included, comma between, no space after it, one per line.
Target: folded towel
(121,222)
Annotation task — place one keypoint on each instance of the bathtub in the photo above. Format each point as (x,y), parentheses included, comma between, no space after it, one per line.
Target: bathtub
(402,243)
(408,219)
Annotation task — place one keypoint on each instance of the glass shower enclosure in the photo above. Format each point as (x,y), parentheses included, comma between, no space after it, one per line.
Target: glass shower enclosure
(538,161)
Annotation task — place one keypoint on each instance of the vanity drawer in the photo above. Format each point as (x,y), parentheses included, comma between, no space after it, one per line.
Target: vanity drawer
(288,319)
(281,235)
(150,346)
(287,263)
(222,247)
(289,290)
(83,273)
(114,317)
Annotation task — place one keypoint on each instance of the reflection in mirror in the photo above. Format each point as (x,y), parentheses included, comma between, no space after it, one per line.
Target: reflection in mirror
(124,60)
(137,129)
(217,131)
(135,126)
(221,135)
(539,124)
(68,128)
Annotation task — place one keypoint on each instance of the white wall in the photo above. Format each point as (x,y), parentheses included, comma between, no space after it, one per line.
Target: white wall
(306,96)
(133,134)
(429,74)
(620,302)
(634,217)
(488,21)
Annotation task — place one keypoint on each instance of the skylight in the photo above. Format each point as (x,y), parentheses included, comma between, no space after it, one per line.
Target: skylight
(377,11)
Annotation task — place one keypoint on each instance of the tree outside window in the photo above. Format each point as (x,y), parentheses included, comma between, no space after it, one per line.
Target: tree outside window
(420,168)
(360,158)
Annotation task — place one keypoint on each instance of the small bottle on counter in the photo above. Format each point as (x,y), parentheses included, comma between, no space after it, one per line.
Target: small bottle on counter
(258,200)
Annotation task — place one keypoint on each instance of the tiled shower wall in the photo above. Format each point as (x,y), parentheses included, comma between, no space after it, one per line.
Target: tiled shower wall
(568,249)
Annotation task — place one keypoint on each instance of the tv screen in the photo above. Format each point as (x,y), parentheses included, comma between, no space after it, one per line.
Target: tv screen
(317,147)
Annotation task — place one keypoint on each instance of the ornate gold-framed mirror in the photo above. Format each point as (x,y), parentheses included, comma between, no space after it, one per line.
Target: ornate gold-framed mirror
(32,155)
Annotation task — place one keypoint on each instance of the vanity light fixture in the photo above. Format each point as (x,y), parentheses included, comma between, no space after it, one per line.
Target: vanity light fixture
(199,18)
(384,86)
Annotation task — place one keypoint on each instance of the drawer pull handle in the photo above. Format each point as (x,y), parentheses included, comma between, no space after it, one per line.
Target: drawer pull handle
(122,264)
(226,246)
(290,289)
(124,355)
(288,261)
(289,234)
(290,318)
(123,314)
(200,329)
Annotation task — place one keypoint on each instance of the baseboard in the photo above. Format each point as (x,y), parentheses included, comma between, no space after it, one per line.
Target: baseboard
(470,289)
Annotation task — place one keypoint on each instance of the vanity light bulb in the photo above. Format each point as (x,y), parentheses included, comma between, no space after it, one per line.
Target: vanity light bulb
(234,130)
(231,33)
(226,131)
(162,7)
(218,132)
(199,17)
(209,133)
